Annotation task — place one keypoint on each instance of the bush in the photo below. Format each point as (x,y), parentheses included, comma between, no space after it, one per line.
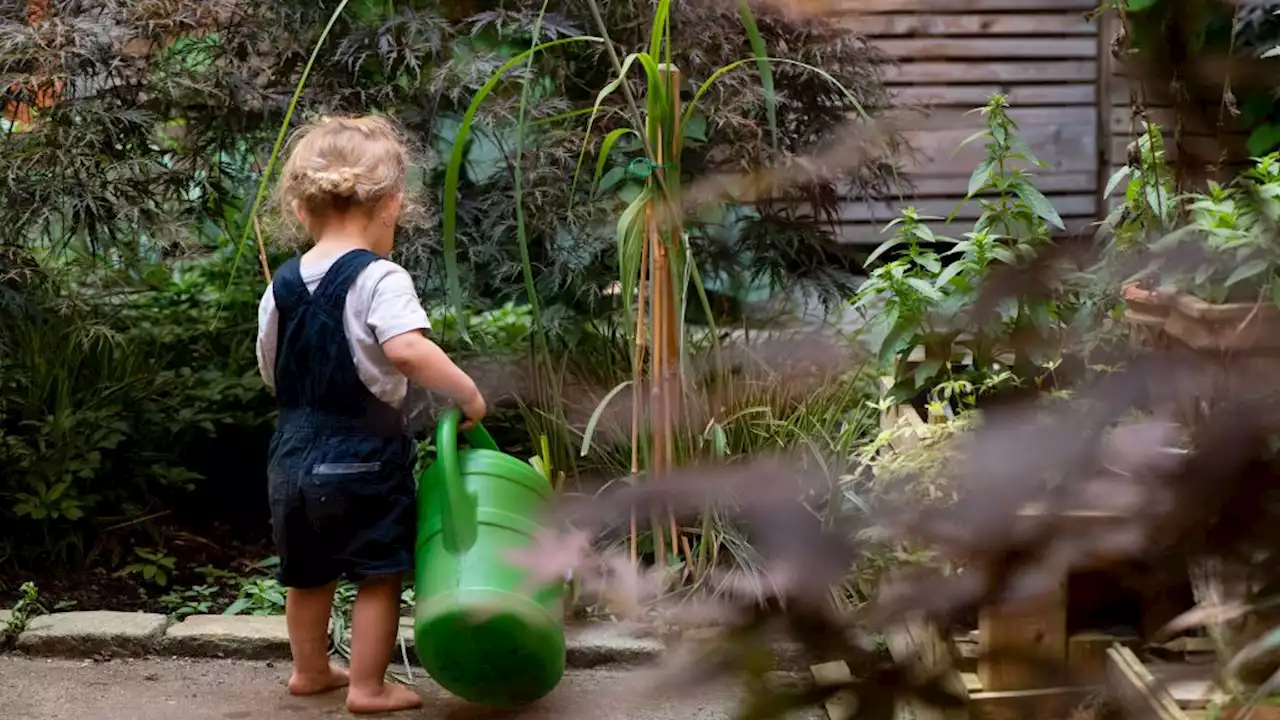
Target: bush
(109,389)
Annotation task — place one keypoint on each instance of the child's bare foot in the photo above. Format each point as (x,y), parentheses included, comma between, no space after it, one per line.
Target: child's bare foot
(335,678)
(387,698)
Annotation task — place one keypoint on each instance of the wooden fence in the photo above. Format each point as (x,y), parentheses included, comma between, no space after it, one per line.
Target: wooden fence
(952,55)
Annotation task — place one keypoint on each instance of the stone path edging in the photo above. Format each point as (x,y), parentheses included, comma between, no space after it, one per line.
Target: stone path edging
(246,637)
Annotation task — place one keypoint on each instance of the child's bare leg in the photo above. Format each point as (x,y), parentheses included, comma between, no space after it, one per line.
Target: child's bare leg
(375,621)
(307,613)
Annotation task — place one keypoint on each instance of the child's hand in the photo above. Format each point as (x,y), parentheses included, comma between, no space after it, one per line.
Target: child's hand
(473,410)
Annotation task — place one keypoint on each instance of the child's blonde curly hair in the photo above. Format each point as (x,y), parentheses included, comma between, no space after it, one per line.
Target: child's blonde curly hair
(342,163)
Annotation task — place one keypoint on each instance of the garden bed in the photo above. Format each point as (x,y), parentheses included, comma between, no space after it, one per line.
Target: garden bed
(220,559)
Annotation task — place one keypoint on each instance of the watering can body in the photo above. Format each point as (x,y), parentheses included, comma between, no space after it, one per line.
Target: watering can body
(480,630)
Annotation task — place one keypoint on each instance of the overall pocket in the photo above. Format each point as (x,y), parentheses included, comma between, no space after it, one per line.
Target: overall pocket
(347,478)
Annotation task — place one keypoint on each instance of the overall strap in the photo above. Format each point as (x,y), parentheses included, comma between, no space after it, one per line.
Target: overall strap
(318,385)
(333,289)
(288,288)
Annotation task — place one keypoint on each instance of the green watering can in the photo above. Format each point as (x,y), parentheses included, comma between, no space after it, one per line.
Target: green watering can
(480,631)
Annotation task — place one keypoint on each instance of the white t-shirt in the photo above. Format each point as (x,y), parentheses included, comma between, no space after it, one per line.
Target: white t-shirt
(381,304)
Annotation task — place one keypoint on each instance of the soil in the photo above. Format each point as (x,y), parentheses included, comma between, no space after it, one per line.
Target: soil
(104,585)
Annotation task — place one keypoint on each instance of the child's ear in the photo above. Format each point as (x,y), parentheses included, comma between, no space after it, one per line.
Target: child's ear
(299,212)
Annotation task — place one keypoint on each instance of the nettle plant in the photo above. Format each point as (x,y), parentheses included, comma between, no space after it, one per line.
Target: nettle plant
(1149,193)
(932,344)
(1235,228)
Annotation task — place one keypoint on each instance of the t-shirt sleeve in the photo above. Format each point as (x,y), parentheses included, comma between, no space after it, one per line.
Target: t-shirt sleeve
(395,308)
(268,331)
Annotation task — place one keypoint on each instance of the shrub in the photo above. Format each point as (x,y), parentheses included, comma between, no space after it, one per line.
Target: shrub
(107,389)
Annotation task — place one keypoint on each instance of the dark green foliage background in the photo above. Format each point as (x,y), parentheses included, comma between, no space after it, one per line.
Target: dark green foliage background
(128,386)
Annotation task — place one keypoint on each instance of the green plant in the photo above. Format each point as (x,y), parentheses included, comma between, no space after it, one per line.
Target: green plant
(1232,227)
(1150,204)
(113,392)
(924,308)
(259,596)
(195,600)
(27,607)
(152,565)
(1246,30)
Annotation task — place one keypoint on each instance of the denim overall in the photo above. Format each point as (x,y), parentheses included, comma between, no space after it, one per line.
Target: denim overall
(341,464)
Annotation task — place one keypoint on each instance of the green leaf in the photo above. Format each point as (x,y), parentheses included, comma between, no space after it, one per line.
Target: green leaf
(971,138)
(763,66)
(1139,5)
(606,148)
(926,289)
(1040,205)
(1264,139)
(1246,271)
(926,370)
(611,178)
(930,262)
(981,175)
(885,246)
(898,337)
(590,431)
(695,128)
(1117,177)
(630,191)
(950,272)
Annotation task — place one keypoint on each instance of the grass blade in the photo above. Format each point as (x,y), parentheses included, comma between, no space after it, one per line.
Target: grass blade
(765,68)
(453,175)
(261,194)
(522,234)
(594,420)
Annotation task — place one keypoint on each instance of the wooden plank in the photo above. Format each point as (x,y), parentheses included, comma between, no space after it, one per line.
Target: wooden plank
(904,412)
(1129,680)
(1037,627)
(1059,702)
(1018,23)
(1122,92)
(957,6)
(1074,116)
(988,72)
(872,234)
(1120,148)
(1066,205)
(1063,148)
(1108,25)
(956,186)
(843,705)
(1122,120)
(1087,656)
(970,96)
(988,48)
(918,644)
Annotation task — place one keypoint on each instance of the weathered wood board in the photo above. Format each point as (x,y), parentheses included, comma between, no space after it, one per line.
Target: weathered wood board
(950,57)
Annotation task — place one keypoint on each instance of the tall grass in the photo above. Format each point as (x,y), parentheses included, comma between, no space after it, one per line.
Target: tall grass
(656,267)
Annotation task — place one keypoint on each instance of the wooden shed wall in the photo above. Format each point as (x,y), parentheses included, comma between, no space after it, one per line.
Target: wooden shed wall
(953,55)
(1124,94)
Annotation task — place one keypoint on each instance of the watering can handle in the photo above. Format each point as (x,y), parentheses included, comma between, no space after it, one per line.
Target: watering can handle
(458,517)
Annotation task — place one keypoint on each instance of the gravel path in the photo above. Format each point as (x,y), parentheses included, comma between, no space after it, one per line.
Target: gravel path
(155,689)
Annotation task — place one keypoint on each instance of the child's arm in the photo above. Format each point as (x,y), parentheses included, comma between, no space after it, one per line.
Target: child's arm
(426,365)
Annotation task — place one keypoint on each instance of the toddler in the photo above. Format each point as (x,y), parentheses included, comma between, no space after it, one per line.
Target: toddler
(340,336)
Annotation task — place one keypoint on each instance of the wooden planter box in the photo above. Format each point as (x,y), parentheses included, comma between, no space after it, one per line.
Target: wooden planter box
(1203,326)
(1259,712)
